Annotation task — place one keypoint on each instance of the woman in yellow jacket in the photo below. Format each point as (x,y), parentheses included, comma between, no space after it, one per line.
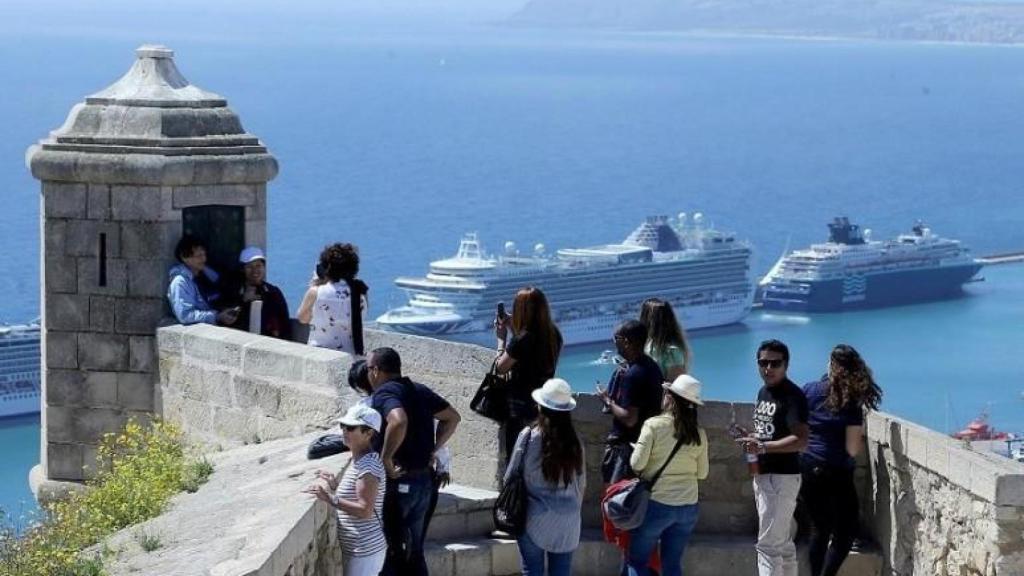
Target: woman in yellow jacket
(672,512)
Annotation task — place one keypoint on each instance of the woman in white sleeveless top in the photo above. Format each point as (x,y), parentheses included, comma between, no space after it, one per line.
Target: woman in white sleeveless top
(327,305)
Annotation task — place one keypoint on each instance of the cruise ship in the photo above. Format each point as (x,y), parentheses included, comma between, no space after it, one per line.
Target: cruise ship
(853,271)
(703,272)
(19,369)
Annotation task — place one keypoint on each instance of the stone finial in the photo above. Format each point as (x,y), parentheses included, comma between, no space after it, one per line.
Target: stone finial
(154,80)
(160,129)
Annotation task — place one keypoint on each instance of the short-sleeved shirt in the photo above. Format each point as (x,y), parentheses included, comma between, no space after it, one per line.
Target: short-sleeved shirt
(667,358)
(779,410)
(529,373)
(420,404)
(362,537)
(639,385)
(826,443)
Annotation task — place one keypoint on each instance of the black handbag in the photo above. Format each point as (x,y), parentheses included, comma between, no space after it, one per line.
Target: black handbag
(491,398)
(510,507)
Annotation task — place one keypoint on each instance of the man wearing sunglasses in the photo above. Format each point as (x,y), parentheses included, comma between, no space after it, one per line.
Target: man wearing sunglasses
(780,433)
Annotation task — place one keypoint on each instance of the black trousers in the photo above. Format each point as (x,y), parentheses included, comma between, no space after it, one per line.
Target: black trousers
(830,499)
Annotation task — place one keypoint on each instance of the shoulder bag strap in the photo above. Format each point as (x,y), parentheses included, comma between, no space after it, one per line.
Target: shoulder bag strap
(657,474)
(356,289)
(526,447)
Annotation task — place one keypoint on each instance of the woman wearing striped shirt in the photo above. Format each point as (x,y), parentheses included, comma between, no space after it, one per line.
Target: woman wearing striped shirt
(358,495)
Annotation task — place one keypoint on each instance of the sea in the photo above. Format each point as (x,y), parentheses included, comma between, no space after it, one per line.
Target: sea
(400,136)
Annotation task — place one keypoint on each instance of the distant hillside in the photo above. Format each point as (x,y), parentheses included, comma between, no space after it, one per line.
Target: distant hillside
(938,20)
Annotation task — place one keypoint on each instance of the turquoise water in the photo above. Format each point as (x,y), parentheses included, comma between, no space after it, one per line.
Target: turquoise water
(19,447)
(400,138)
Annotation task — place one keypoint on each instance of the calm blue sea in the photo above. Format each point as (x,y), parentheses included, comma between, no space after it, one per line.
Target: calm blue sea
(400,138)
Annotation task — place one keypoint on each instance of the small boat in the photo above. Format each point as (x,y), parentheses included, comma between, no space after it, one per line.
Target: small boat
(606,357)
(979,429)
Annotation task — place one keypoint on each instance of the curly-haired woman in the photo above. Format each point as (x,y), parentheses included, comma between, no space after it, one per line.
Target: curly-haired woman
(335,302)
(836,404)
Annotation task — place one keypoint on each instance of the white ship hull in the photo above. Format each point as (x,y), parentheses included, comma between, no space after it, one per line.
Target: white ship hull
(599,328)
(18,405)
(704,274)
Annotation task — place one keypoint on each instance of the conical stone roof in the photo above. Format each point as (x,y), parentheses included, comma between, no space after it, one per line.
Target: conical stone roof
(152,127)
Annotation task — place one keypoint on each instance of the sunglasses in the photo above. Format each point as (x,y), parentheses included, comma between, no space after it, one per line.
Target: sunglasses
(772,364)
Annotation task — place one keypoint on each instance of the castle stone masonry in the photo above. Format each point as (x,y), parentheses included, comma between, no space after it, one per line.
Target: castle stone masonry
(116,180)
(142,161)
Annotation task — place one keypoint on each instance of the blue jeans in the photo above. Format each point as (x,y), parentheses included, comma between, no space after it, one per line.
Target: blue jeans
(406,502)
(670,524)
(559,563)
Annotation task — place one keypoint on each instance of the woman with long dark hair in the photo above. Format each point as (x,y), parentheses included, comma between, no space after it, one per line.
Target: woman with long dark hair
(836,405)
(674,443)
(335,301)
(531,355)
(666,341)
(551,456)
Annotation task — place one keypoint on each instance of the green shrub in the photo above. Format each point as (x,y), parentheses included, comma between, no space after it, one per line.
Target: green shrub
(137,472)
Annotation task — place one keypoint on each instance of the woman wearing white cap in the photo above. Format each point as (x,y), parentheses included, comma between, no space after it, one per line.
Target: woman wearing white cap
(672,511)
(358,495)
(552,458)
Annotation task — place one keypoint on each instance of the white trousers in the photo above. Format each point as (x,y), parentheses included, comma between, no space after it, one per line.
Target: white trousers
(364,565)
(775,495)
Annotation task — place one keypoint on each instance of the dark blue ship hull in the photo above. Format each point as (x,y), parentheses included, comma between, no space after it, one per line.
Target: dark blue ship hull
(857,291)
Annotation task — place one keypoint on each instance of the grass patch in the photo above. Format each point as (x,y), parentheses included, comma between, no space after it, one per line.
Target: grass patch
(148,542)
(137,472)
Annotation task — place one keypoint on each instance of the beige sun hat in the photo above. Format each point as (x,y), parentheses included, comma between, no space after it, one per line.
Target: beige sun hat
(687,387)
(555,394)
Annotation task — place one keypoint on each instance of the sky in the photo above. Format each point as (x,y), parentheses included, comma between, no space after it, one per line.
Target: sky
(123,17)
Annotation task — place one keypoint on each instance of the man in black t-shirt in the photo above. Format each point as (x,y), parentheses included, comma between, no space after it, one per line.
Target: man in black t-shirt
(633,395)
(780,433)
(408,443)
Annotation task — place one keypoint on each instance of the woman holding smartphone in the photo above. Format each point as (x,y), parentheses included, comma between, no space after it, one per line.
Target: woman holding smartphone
(528,347)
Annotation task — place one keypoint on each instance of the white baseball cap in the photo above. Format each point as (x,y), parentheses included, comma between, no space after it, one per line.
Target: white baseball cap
(361,415)
(555,394)
(251,253)
(687,387)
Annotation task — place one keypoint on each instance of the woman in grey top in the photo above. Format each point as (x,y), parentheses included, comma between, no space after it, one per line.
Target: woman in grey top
(552,458)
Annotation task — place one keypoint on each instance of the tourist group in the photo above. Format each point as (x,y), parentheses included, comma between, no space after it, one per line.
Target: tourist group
(802,445)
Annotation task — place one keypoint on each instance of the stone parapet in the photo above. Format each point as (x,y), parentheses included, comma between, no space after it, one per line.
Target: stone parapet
(939,507)
(226,387)
(250,519)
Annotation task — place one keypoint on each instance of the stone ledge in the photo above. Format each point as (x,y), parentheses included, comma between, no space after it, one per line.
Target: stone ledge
(988,476)
(705,556)
(251,518)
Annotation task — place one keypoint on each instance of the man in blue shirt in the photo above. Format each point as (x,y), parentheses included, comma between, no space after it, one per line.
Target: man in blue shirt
(192,287)
(408,444)
(633,396)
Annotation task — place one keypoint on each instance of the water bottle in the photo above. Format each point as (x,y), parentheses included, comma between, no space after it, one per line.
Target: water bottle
(753,464)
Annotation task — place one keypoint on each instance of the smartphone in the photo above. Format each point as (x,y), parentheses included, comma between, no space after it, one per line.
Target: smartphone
(737,431)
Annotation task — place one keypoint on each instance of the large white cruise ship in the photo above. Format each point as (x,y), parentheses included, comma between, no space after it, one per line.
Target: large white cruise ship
(703,272)
(19,369)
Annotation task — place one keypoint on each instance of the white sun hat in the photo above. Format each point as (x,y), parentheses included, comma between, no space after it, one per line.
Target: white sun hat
(361,415)
(687,387)
(556,395)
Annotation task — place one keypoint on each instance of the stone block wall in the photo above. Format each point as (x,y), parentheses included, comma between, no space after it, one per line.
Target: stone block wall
(939,508)
(227,388)
(106,252)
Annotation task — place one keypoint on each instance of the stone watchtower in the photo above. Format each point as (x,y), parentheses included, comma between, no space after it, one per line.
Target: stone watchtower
(132,168)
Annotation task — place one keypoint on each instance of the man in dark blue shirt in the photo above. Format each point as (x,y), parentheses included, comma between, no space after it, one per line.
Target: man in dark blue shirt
(633,395)
(408,444)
